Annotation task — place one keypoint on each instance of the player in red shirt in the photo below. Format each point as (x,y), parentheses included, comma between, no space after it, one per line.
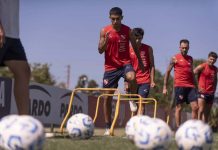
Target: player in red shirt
(184,81)
(207,82)
(145,79)
(114,43)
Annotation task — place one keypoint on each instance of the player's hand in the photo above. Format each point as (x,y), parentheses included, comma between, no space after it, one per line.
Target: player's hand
(165,92)
(2,37)
(152,84)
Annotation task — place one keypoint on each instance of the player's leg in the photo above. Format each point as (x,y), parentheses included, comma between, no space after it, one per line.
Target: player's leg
(21,72)
(192,98)
(143,90)
(179,98)
(107,106)
(15,59)
(178,111)
(207,112)
(209,103)
(110,80)
(201,105)
(129,75)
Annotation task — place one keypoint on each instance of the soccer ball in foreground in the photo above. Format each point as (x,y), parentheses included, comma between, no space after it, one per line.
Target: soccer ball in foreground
(21,132)
(80,126)
(194,134)
(132,124)
(153,134)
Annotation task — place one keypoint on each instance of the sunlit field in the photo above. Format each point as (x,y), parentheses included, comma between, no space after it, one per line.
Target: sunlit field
(117,142)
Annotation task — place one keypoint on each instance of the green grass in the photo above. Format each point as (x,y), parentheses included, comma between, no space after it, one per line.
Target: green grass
(99,142)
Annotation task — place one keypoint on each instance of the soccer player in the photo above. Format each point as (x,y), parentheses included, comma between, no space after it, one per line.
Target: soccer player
(12,53)
(145,79)
(184,81)
(114,43)
(207,82)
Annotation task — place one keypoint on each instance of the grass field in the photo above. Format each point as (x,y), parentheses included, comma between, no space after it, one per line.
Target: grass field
(99,142)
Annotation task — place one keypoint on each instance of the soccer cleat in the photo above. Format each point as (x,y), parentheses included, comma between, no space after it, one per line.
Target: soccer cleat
(107,132)
(133,106)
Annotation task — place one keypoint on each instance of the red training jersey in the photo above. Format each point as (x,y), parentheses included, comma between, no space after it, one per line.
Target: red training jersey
(183,74)
(207,78)
(117,50)
(141,77)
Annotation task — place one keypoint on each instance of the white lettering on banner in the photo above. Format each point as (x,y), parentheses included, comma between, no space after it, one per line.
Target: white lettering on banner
(49,104)
(2,94)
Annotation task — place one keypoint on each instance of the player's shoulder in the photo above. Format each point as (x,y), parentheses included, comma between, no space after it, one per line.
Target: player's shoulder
(177,55)
(125,27)
(146,45)
(106,28)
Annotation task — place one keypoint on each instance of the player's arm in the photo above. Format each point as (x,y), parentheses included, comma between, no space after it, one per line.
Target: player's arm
(215,82)
(102,42)
(198,70)
(2,35)
(167,74)
(134,46)
(152,66)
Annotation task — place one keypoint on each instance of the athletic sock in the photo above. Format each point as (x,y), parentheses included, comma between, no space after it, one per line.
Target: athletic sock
(108,125)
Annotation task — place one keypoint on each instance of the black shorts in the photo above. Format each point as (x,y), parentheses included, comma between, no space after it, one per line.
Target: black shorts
(12,50)
(111,78)
(143,89)
(207,97)
(185,94)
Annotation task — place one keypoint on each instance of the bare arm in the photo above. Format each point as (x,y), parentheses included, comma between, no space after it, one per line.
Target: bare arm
(2,35)
(102,42)
(216,79)
(197,72)
(167,74)
(152,66)
(198,69)
(134,46)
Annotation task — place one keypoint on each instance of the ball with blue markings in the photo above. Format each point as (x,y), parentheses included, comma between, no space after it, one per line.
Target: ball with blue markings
(153,134)
(132,124)
(21,132)
(80,126)
(194,134)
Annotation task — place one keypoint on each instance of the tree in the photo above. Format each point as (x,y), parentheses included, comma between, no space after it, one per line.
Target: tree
(197,62)
(41,74)
(5,72)
(92,84)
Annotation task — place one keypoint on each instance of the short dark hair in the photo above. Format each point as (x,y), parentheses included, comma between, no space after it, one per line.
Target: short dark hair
(116,11)
(212,54)
(138,31)
(184,41)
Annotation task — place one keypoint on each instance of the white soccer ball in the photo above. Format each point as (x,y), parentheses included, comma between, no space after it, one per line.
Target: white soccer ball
(132,124)
(80,126)
(194,134)
(4,122)
(21,132)
(153,134)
